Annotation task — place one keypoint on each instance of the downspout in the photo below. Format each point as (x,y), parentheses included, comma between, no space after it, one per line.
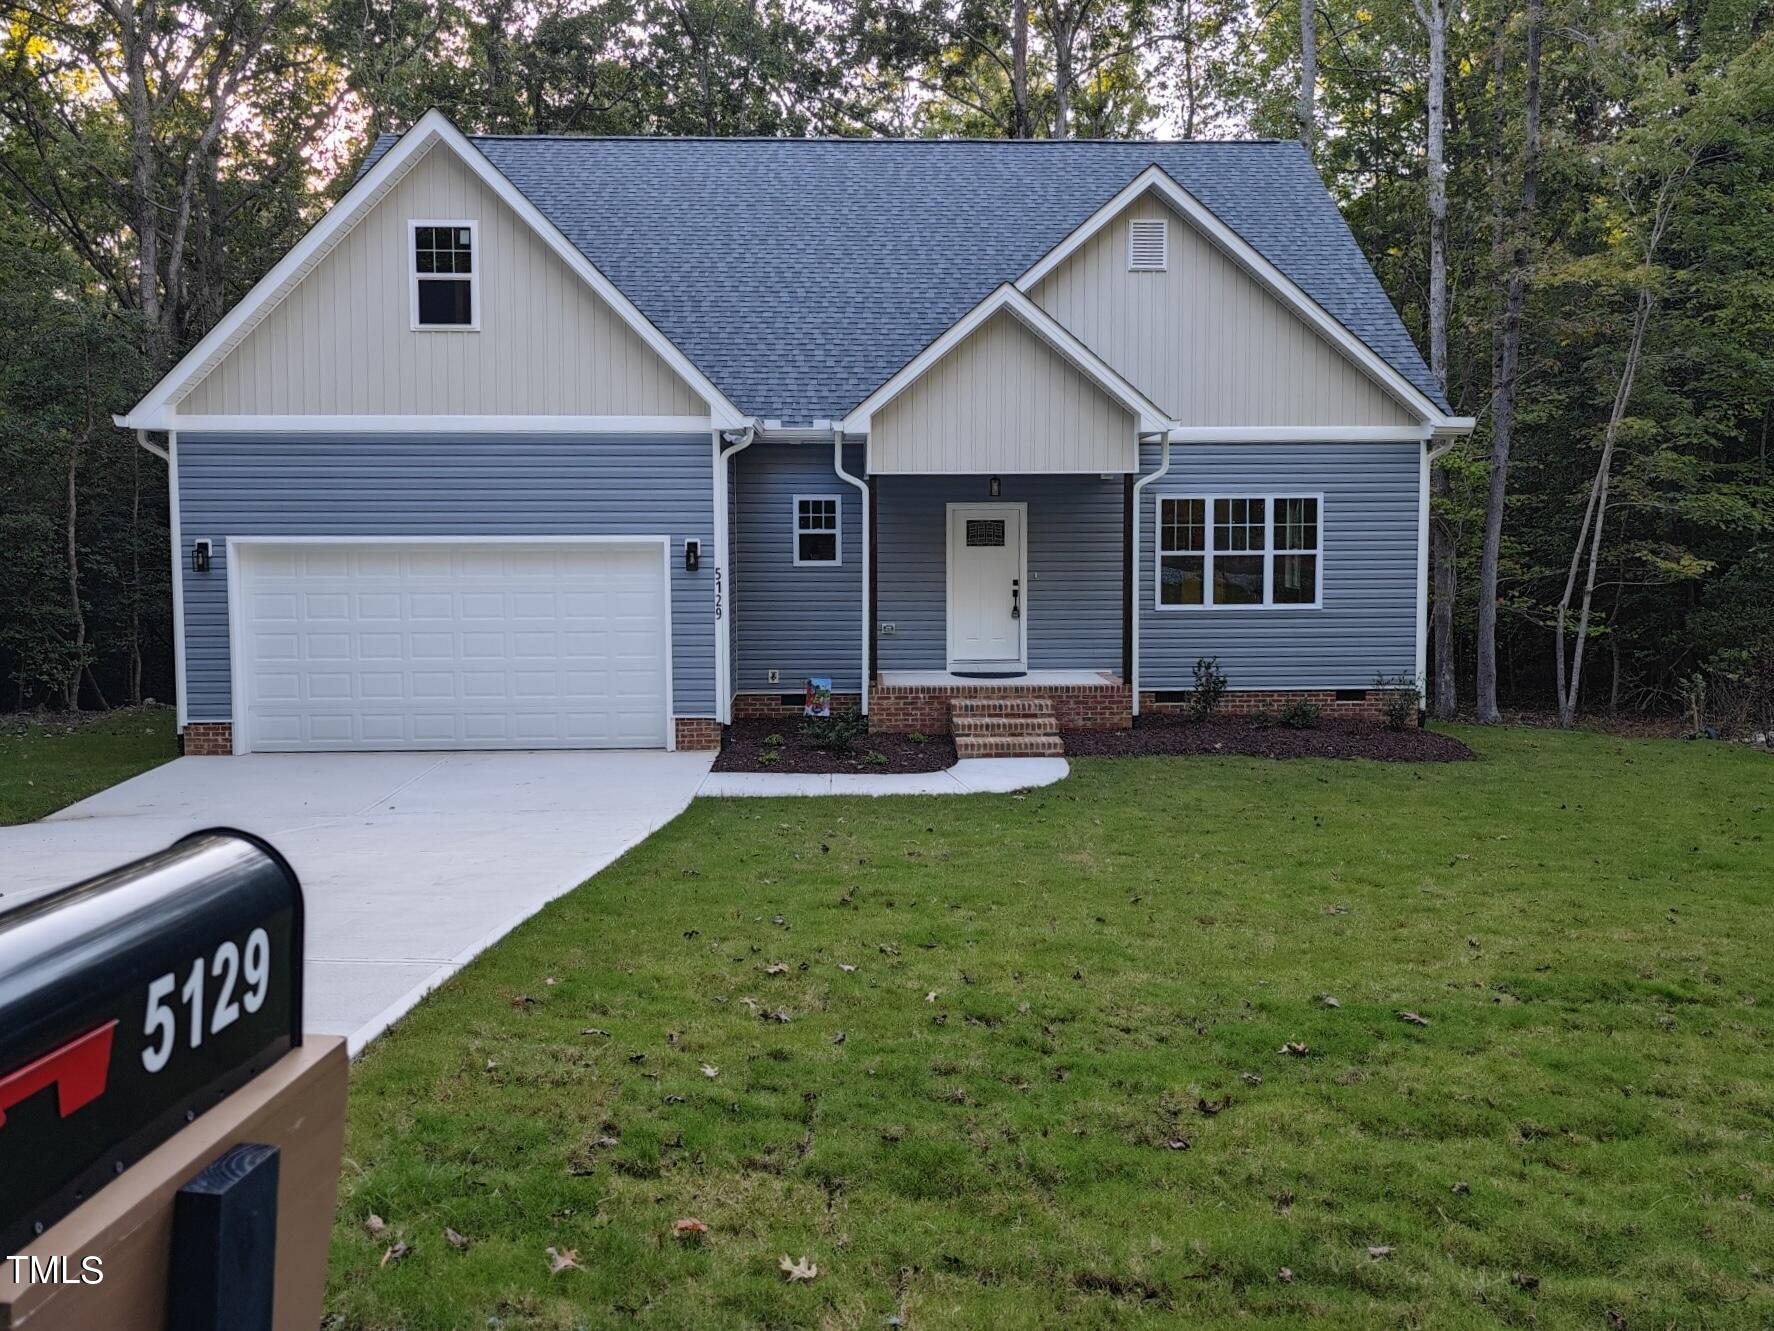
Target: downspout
(862,489)
(723,591)
(1139,558)
(155,449)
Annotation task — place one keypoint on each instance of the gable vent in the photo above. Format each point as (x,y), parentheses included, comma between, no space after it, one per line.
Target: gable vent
(1148,245)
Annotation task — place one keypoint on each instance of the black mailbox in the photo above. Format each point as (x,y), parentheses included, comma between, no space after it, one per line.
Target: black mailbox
(130,1004)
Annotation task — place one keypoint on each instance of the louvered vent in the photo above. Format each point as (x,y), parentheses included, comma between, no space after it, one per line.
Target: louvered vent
(1148,245)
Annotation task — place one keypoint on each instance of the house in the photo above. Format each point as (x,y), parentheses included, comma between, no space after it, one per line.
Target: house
(581,442)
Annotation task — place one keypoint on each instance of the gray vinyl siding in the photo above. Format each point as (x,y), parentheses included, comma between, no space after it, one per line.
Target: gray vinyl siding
(444,485)
(1073,600)
(1367,623)
(800,620)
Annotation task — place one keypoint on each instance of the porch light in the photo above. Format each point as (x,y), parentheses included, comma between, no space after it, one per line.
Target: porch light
(200,556)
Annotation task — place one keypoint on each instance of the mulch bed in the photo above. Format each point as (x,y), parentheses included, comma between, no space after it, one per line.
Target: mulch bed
(745,746)
(1237,735)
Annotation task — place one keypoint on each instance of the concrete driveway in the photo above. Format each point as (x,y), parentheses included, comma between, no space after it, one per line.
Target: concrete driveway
(411,862)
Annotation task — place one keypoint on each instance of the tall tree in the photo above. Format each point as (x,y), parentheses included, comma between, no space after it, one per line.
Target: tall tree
(1308,72)
(1508,371)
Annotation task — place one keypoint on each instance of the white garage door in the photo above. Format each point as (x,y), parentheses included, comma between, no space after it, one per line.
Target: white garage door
(471,645)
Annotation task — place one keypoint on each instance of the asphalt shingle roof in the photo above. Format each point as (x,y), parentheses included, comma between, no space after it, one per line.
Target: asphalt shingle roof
(799,274)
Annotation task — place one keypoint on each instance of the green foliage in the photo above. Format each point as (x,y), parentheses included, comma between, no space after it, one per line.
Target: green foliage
(48,764)
(1401,702)
(1210,688)
(837,732)
(1300,714)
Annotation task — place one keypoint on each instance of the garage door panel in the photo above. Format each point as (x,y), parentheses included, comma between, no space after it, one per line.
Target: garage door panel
(448,646)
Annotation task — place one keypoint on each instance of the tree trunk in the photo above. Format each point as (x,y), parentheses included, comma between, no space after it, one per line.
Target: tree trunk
(1020,128)
(71,687)
(1444,700)
(1062,81)
(1508,369)
(1308,72)
(1188,30)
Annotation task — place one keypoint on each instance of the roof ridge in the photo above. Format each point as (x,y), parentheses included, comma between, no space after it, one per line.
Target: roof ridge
(830,139)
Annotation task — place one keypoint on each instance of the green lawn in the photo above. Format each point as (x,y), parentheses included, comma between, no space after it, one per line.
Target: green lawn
(48,767)
(1011,1132)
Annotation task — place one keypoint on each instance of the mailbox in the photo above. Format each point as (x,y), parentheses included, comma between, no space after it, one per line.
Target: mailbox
(150,1023)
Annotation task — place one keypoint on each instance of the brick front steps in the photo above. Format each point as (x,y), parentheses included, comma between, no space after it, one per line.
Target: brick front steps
(1004,728)
(903,708)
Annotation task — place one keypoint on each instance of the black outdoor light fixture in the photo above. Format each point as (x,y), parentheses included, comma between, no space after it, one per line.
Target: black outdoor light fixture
(200,556)
(692,556)
(996,488)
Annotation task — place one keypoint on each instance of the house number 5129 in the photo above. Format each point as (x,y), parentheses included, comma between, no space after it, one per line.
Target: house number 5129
(226,969)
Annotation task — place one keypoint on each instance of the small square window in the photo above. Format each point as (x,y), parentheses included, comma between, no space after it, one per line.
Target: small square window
(816,529)
(445,277)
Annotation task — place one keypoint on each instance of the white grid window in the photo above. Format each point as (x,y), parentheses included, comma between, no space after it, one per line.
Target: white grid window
(446,276)
(816,529)
(1239,551)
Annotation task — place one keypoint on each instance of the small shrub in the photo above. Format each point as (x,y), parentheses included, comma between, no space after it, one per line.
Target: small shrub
(918,737)
(1210,688)
(876,758)
(1264,718)
(1401,701)
(774,741)
(768,757)
(835,733)
(1301,714)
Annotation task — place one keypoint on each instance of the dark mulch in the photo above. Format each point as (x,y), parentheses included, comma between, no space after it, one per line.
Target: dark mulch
(1228,734)
(745,746)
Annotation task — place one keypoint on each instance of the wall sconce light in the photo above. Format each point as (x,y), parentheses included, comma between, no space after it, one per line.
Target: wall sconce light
(200,556)
(692,556)
(995,488)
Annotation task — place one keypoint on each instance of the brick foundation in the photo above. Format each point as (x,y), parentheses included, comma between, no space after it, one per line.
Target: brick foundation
(1248,702)
(209,739)
(770,707)
(697,732)
(900,709)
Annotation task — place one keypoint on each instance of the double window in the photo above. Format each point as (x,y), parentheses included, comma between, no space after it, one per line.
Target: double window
(816,529)
(1230,551)
(446,276)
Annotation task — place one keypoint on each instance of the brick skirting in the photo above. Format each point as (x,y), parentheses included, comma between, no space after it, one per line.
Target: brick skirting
(900,709)
(209,739)
(770,707)
(1248,702)
(697,732)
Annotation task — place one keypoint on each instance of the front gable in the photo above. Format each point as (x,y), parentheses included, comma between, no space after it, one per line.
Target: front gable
(340,342)
(1204,336)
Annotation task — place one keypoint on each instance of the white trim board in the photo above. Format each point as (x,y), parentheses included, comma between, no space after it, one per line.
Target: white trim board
(1149,415)
(444,424)
(1155,180)
(241,720)
(159,409)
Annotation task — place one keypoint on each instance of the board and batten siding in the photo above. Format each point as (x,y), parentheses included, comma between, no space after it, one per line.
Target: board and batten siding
(1002,401)
(1203,338)
(1073,600)
(799,620)
(443,485)
(341,341)
(1368,569)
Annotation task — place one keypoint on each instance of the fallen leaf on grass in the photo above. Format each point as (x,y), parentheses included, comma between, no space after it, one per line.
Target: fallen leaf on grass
(563,1259)
(1336,910)
(689,1230)
(710,1071)
(457,1241)
(1415,1018)
(776,968)
(1331,1001)
(398,1253)
(1616,1322)
(930,997)
(1295,1048)
(1462,1189)
(801,1270)
(846,967)
(1177,1144)
(1285,1275)
(781,1015)
(596,1030)
(888,950)
(751,1004)
(1380,1252)
(376,1225)
(1251,1079)
(1526,1283)
(1212,1107)
(550,980)
(838,1037)
(523,1001)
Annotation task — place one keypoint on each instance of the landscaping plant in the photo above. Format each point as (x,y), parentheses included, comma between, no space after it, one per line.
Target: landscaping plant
(1210,688)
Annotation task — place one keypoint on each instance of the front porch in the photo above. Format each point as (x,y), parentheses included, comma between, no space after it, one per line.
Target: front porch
(1037,704)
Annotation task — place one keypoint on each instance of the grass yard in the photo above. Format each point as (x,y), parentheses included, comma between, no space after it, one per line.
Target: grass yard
(45,766)
(1035,1101)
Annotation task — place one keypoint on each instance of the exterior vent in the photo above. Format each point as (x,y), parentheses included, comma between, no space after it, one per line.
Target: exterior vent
(1148,245)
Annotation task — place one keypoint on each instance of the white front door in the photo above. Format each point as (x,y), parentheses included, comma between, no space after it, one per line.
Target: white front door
(988,587)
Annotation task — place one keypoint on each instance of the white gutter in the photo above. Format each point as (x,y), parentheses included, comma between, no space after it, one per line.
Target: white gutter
(863,489)
(724,592)
(1133,572)
(155,449)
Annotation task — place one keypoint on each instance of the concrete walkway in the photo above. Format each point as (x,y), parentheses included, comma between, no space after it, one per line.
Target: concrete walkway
(411,863)
(970,776)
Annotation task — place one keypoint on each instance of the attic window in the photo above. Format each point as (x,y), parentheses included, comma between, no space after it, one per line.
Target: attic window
(446,276)
(1148,245)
